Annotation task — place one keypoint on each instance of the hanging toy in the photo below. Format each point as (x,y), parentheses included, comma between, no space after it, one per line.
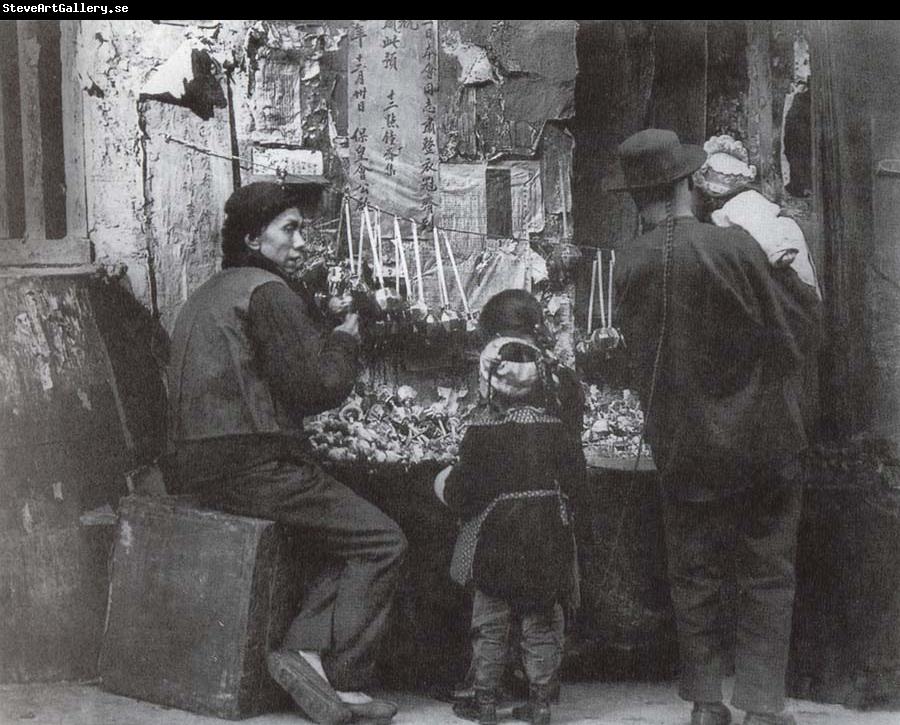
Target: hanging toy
(470,324)
(448,316)
(386,298)
(418,310)
(606,337)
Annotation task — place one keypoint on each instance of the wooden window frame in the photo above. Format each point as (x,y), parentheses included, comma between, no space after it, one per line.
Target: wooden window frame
(34,249)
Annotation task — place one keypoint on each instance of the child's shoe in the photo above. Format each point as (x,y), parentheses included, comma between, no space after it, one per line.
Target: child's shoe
(537,711)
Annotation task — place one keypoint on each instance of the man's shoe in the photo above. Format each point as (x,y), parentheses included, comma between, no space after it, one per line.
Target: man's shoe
(769,718)
(710,713)
(312,694)
(378,712)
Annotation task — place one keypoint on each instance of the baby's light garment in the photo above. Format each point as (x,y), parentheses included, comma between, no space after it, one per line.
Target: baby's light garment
(779,237)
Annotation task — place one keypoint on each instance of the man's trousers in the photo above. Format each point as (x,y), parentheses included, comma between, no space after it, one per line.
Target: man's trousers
(344,612)
(752,533)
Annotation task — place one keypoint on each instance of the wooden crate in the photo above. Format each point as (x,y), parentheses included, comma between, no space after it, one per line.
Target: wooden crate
(196,601)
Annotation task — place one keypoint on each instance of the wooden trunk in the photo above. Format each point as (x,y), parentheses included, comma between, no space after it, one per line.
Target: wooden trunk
(197,600)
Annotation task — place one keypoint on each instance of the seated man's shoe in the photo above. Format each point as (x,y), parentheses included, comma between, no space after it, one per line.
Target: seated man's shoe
(710,713)
(482,708)
(463,692)
(312,694)
(466,709)
(769,718)
(378,712)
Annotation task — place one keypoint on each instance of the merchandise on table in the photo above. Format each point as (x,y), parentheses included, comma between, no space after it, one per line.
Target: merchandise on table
(613,421)
(382,425)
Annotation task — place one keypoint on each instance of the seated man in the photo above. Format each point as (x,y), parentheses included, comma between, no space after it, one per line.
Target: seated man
(250,358)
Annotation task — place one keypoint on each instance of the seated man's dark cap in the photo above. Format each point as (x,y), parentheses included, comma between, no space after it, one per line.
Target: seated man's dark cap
(653,157)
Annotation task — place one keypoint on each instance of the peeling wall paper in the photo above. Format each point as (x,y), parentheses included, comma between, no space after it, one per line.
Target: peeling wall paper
(286,96)
(463,199)
(294,161)
(283,78)
(188,190)
(474,63)
(45,343)
(115,61)
(171,76)
(515,75)
(27,520)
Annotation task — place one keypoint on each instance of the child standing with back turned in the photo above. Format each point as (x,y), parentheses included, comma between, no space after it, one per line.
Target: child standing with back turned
(520,467)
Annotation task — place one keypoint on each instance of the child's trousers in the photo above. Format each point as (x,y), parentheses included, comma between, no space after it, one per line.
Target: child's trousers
(542,641)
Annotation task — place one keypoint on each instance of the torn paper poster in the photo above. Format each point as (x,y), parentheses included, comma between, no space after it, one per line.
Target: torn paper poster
(462,201)
(468,202)
(278,102)
(298,162)
(556,145)
(526,196)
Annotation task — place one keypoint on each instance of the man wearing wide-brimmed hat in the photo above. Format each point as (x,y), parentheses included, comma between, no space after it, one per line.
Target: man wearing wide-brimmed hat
(715,335)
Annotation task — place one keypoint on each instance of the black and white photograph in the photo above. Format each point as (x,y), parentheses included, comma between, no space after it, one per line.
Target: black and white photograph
(423,372)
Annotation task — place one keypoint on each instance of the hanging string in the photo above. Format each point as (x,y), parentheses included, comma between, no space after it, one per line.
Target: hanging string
(251,165)
(654,379)
(590,317)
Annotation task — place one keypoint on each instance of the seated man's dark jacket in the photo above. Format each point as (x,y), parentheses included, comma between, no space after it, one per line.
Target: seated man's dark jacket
(727,398)
(251,357)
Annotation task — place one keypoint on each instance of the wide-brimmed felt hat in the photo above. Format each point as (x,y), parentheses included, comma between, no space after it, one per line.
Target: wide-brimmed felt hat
(653,157)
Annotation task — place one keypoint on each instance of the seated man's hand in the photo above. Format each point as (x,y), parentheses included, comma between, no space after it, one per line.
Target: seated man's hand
(350,325)
(339,306)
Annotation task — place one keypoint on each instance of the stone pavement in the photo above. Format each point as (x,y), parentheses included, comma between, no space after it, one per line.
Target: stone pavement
(594,703)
